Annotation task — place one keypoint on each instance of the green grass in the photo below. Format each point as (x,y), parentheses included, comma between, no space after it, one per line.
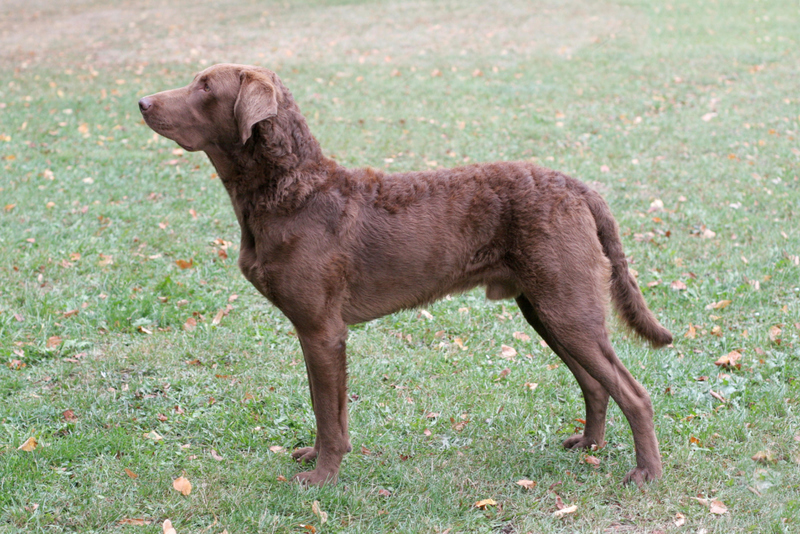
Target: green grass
(96,211)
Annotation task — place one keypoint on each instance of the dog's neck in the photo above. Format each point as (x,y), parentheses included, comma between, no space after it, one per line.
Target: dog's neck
(266,167)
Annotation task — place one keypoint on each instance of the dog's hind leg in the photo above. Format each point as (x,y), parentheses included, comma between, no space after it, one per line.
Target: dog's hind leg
(595,395)
(579,337)
(324,353)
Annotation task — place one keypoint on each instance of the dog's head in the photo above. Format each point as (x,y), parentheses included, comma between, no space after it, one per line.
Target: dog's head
(218,109)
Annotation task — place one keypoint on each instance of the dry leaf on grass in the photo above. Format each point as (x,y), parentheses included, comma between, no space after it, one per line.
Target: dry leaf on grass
(714,506)
(564,511)
(323,516)
(720,305)
(775,334)
(507,352)
(183,264)
(680,519)
(134,522)
(521,336)
(190,324)
(183,485)
(764,457)
(484,503)
(167,527)
(131,473)
(527,484)
(730,360)
(29,445)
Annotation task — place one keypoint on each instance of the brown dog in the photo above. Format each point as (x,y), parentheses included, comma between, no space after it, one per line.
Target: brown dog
(331,247)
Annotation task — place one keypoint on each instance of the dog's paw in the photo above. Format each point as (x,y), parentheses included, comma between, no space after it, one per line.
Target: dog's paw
(305,455)
(578,441)
(640,475)
(316,477)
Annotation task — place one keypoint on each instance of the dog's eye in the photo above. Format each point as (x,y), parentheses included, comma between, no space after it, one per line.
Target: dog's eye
(206,88)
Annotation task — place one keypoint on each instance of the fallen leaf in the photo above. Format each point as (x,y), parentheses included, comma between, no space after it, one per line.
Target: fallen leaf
(323,516)
(215,455)
(69,415)
(131,473)
(708,116)
(155,436)
(604,168)
(593,461)
(32,507)
(190,324)
(507,352)
(531,385)
(281,478)
(717,507)
(134,522)
(16,365)
(565,511)
(775,334)
(677,285)
(693,440)
(730,360)
(484,503)
(680,519)
(53,341)
(722,304)
(309,528)
(521,336)
(28,445)
(527,484)
(503,374)
(183,264)
(167,527)
(218,317)
(691,333)
(426,314)
(71,313)
(182,485)
(764,457)
(384,493)
(717,396)
(276,449)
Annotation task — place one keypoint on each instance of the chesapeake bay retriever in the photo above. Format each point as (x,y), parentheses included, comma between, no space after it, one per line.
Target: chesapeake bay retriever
(331,247)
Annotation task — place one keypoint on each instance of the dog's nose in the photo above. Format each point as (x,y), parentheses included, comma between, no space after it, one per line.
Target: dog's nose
(145,104)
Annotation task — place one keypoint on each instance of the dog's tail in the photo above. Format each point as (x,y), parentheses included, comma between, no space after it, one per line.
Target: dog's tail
(625,293)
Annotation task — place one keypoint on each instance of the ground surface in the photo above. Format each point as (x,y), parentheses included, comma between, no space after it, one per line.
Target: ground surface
(134,352)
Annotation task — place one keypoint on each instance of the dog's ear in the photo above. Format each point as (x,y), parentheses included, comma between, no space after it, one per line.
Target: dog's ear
(257,101)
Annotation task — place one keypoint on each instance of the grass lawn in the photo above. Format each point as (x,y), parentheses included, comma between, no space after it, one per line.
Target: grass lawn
(134,352)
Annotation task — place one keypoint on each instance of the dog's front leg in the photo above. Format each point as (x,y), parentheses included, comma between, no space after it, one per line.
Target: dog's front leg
(324,353)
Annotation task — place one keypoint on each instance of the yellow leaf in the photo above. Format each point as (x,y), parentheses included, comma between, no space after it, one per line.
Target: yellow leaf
(183,485)
(718,305)
(29,445)
(484,503)
(565,511)
(134,522)
(323,516)
(155,436)
(10,207)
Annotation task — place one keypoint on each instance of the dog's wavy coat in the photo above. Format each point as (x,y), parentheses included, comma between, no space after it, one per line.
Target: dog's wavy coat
(331,246)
